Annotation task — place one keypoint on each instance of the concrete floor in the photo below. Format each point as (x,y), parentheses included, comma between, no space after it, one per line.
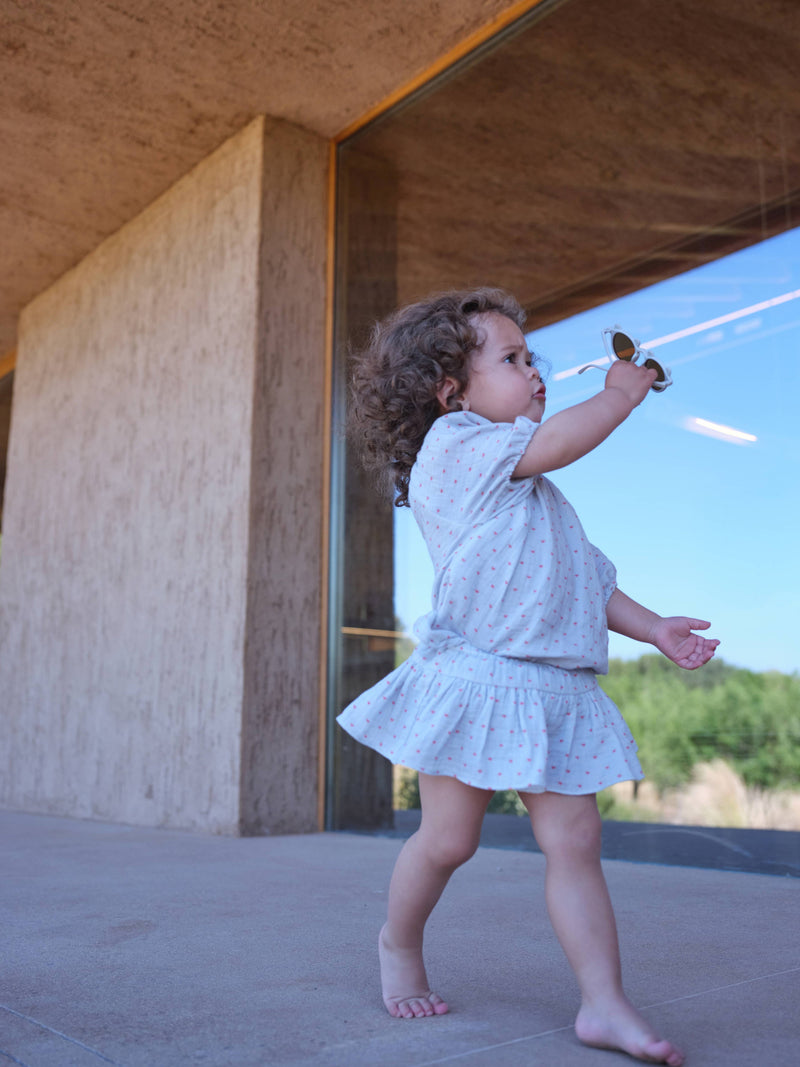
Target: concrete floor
(132,947)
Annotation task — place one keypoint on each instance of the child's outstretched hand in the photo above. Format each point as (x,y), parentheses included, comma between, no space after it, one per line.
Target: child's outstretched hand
(633,380)
(673,636)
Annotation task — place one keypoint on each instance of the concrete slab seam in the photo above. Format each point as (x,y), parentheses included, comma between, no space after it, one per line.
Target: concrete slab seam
(13,1059)
(57,1033)
(491,1048)
(723,988)
(647,1007)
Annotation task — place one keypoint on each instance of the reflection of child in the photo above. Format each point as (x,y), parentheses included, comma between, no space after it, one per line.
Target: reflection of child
(501,692)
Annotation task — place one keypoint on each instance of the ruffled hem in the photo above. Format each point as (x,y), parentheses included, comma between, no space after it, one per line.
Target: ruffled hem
(496,723)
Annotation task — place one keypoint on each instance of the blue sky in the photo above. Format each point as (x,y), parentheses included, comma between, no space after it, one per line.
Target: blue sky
(696,524)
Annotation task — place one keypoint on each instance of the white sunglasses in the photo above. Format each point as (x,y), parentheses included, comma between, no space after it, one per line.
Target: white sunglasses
(619,345)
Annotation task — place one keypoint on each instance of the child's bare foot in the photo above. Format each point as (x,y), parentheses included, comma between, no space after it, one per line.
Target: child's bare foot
(618,1025)
(405,984)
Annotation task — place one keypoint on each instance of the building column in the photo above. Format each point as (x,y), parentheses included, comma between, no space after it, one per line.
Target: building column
(160,582)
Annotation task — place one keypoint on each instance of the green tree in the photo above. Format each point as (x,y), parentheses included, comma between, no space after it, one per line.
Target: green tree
(680,718)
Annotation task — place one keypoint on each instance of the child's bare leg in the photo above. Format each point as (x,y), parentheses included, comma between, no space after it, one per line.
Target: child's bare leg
(452,814)
(568,829)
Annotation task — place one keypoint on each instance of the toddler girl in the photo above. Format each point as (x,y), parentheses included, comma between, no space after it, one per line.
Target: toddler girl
(501,692)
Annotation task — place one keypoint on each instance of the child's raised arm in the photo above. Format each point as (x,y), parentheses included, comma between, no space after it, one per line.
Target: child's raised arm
(572,433)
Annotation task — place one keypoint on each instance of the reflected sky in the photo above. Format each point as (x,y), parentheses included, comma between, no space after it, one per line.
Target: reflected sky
(699,521)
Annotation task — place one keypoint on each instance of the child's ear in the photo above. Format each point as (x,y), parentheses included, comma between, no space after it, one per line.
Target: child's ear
(447,395)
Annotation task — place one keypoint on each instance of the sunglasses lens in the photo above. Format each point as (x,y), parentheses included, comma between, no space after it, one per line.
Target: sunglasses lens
(652,365)
(624,347)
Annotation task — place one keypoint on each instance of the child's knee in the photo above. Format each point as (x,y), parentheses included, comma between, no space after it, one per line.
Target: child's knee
(587,831)
(575,829)
(451,851)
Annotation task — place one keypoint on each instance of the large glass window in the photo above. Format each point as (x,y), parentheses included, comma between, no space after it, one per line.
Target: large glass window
(613,162)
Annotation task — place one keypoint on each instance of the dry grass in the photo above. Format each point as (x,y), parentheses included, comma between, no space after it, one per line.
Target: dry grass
(716,796)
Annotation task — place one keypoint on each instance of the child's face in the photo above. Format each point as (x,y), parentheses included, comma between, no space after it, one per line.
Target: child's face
(502,383)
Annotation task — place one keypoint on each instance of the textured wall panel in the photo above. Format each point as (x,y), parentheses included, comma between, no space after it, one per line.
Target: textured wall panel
(127,514)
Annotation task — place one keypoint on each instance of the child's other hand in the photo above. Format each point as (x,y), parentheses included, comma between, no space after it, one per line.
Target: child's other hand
(673,636)
(633,380)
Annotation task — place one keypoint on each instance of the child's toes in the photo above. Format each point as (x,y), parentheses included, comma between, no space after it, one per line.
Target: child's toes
(417,1007)
(439,1006)
(663,1052)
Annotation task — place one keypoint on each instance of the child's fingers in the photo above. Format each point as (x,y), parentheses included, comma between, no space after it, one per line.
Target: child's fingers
(631,379)
(698,624)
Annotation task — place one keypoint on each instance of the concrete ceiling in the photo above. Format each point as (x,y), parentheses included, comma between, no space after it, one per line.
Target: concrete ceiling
(610,144)
(104,105)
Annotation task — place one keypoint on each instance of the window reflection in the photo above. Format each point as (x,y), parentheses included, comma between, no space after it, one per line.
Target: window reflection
(605,184)
(6,385)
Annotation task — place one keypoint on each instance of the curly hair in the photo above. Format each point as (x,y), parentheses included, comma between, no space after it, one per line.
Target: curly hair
(397,375)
